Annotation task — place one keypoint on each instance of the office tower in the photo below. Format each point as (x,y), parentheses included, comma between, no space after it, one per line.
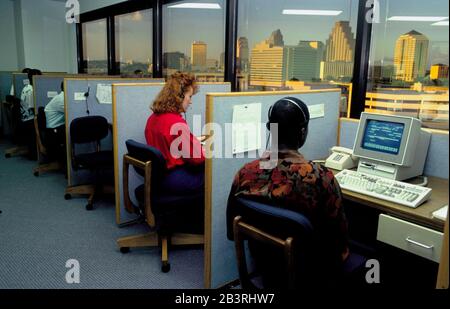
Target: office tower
(266,65)
(242,54)
(174,60)
(339,52)
(211,64)
(276,39)
(303,60)
(439,71)
(198,55)
(411,55)
(222,61)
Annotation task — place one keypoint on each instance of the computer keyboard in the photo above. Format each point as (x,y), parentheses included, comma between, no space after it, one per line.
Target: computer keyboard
(386,189)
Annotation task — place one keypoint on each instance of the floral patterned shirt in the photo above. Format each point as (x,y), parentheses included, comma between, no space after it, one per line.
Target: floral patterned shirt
(298,185)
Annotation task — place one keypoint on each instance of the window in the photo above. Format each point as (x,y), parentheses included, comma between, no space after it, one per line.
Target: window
(194,39)
(95,47)
(134,43)
(408,72)
(296,44)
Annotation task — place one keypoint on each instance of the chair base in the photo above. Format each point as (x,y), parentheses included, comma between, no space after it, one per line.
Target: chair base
(152,239)
(47,167)
(16,151)
(91,190)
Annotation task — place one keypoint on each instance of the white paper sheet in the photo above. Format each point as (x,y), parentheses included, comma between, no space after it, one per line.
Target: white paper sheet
(51,94)
(316,111)
(104,94)
(246,128)
(441,213)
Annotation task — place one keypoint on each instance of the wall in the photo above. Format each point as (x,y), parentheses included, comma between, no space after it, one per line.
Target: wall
(8,53)
(89,5)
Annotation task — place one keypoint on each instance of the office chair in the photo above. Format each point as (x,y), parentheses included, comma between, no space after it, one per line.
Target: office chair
(90,130)
(44,151)
(167,214)
(293,244)
(13,105)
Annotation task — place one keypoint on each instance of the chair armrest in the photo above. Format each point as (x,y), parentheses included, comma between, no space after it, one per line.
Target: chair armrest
(146,167)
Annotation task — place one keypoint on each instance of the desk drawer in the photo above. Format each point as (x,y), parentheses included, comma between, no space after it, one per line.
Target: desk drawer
(411,237)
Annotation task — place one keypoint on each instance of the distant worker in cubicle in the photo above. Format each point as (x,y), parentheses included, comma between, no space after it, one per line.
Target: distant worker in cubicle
(295,184)
(56,128)
(186,171)
(27,114)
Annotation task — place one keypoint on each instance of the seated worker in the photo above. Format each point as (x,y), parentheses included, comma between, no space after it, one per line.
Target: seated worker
(56,128)
(167,131)
(295,184)
(27,114)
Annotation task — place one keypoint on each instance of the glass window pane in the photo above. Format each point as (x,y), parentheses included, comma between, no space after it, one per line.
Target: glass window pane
(134,43)
(296,44)
(408,72)
(95,47)
(194,38)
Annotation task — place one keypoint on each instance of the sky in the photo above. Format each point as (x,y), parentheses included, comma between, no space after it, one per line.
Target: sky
(259,18)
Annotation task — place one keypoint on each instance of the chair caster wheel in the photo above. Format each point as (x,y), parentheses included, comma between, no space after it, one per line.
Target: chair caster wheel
(8,155)
(124,250)
(36,174)
(89,207)
(165,268)
(67,196)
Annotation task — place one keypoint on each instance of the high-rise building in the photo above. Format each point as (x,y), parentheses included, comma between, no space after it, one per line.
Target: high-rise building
(339,52)
(303,60)
(198,55)
(266,65)
(439,71)
(242,54)
(411,56)
(174,60)
(276,39)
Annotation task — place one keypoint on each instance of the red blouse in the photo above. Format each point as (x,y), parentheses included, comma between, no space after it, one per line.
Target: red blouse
(186,148)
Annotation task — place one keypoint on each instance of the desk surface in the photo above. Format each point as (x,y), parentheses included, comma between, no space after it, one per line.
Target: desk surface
(422,215)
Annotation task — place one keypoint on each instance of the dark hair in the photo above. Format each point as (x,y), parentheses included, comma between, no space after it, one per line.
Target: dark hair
(291,115)
(32,73)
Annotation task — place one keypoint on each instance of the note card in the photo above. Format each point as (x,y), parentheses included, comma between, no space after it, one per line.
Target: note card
(246,128)
(79,96)
(316,111)
(104,94)
(51,94)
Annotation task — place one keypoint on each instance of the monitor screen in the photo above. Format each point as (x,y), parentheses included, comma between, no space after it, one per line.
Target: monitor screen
(383,136)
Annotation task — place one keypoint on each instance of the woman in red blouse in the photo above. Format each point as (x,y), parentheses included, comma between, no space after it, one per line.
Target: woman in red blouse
(168,131)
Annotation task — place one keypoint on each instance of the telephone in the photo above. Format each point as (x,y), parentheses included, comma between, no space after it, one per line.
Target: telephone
(341,158)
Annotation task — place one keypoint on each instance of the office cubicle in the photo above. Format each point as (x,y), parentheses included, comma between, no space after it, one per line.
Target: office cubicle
(131,109)
(79,105)
(220,261)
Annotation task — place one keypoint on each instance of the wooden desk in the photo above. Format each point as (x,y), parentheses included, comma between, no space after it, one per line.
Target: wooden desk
(421,215)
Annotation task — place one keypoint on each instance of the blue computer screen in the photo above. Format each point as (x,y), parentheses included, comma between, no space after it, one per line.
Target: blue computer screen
(383,136)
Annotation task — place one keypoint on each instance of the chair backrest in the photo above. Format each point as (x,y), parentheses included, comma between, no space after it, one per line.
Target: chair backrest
(287,226)
(88,129)
(40,125)
(41,120)
(144,153)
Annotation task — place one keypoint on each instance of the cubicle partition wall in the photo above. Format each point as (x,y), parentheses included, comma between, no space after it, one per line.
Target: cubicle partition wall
(131,109)
(220,260)
(78,105)
(46,87)
(6,80)
(436,164)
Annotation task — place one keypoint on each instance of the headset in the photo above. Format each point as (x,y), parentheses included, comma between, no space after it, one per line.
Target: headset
(291,101)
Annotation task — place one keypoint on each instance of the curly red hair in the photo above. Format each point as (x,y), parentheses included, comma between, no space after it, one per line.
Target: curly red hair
(171,97)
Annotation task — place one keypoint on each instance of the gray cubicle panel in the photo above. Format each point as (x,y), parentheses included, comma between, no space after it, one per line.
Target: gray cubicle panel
(19,80)
(436,164)
(131,109)
(6,80)
(78,108)
(220,259)
(45,87)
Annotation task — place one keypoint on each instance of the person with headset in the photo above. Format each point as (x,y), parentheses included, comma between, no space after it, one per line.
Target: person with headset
(167,131)
(296,184)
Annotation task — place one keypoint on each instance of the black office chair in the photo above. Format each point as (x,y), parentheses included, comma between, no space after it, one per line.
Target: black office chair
(167,214)
(90,130)
(17,138)
(296,260)
(46,154)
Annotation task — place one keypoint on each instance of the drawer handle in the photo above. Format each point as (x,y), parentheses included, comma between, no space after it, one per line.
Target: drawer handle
(408,239)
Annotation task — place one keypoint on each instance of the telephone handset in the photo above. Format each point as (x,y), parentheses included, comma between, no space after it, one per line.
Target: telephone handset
(341,158)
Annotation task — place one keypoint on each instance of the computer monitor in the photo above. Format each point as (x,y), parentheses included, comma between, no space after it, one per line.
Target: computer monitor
(391,146)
